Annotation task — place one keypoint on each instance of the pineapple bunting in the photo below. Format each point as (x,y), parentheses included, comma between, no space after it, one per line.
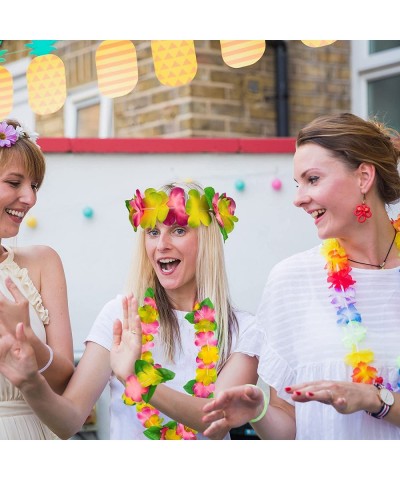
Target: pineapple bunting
(116,65)
(242,53)
(175,64)
(46,78)
(6,93)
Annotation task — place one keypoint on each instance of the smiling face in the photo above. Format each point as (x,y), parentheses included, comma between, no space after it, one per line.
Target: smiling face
(17,197)
(327,190)
(172,251)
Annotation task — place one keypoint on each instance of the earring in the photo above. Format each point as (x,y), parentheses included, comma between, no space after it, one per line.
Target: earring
(362,212)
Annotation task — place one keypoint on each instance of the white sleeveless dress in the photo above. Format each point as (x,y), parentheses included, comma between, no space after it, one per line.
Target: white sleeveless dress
(17,420)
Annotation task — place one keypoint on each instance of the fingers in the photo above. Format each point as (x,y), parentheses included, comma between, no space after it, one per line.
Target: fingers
(14,290)
(117,332)
(215,427)
(20,332)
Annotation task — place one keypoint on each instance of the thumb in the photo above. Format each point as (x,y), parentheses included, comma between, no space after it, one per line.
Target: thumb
(14,290)
(20,332)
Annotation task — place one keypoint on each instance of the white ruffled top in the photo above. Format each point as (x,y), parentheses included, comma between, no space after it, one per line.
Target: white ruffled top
(39,315)
(302,341)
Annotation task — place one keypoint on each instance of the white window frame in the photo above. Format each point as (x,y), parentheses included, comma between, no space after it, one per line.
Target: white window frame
(84,97)
(21,109)
(366,67)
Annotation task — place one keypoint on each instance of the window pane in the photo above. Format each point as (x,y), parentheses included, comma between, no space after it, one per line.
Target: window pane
(88,121)
(376,46)
(384,100)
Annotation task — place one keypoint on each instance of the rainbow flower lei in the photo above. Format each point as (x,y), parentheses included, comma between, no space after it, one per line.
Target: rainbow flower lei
(156,206)
(343,299)
(140,387)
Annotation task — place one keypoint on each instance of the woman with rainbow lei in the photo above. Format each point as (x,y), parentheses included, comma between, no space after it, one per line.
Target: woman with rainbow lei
(32,286)
(331,315)
(179,341)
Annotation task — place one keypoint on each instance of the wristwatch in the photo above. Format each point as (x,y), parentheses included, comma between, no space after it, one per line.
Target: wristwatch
(387,400)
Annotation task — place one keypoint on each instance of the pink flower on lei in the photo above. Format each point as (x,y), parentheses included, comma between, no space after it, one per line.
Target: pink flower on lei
(204,313)
(177,212)
(133,389)
(205,338)
(203,391)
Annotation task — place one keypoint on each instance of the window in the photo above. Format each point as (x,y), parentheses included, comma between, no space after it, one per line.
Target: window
(376,80)
(88,114)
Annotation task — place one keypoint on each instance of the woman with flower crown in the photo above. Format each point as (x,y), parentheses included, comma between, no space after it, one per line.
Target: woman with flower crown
(180,339)
(32,286)
(331,315)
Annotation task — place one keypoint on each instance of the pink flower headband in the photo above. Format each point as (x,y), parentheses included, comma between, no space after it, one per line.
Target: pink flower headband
(10,135)
(156,206)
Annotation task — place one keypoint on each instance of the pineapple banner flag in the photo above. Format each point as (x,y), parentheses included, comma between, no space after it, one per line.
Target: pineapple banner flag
(46,84)
(318,43)
(117,69)
(175,61)
(6,92)
(242,53)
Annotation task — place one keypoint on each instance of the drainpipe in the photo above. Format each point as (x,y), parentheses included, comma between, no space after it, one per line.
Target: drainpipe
(281,87)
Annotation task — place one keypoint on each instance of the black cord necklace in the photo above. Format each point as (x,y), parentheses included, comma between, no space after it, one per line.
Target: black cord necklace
(382,265)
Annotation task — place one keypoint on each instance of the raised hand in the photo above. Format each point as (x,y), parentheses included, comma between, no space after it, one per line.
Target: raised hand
(232,408)
(127,340)
(17,357)
(14,311)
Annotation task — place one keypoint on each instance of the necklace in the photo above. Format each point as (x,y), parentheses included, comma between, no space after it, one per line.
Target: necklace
(381,265)
(348,316)
(140,387)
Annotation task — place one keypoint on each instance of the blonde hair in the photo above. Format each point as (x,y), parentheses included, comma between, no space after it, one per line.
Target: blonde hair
(27,152)
(354,141)
(211,280)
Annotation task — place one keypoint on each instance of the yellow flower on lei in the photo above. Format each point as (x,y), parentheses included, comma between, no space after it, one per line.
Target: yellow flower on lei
(198,209)
(149,376)
(208,354)
(205,326)
(147,314)
(206,375)
(363,356)
(155,208)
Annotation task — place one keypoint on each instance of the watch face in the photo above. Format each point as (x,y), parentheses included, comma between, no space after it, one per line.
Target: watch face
(386,396)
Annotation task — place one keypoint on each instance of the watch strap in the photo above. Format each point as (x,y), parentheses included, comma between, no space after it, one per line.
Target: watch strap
(385,407)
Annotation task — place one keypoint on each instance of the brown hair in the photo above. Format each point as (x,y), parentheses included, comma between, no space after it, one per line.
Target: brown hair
(354,141)
(27,152)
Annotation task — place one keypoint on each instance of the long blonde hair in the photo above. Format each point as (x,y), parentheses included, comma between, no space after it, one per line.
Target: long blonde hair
(211,280)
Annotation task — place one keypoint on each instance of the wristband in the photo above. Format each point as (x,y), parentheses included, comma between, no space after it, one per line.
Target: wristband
(265,408)
(50,359)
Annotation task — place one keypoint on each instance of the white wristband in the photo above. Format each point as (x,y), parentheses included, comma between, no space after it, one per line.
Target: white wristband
(50,359)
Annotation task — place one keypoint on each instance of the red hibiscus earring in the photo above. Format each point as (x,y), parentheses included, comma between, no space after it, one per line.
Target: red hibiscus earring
(362,212)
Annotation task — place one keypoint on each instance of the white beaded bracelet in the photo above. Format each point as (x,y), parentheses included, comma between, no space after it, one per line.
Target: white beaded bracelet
(50,359)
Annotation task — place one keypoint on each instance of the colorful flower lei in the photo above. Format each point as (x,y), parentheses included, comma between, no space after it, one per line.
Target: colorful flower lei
(10,135)
(140,387)
(156,206)
(343,299)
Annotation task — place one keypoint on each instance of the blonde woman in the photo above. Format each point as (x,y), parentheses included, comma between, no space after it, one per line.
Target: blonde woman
(183,265)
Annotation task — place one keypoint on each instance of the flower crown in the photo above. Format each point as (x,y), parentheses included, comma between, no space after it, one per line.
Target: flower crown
(156,206)
(10,135)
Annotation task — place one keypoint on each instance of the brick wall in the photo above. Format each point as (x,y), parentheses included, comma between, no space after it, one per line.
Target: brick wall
(221,101)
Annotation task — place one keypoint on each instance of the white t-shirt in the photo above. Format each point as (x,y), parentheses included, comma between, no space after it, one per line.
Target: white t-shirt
(124,423)
(303,341)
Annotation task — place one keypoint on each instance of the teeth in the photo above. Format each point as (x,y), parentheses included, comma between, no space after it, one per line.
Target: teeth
(15,213)
(316,213)
(167,260)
